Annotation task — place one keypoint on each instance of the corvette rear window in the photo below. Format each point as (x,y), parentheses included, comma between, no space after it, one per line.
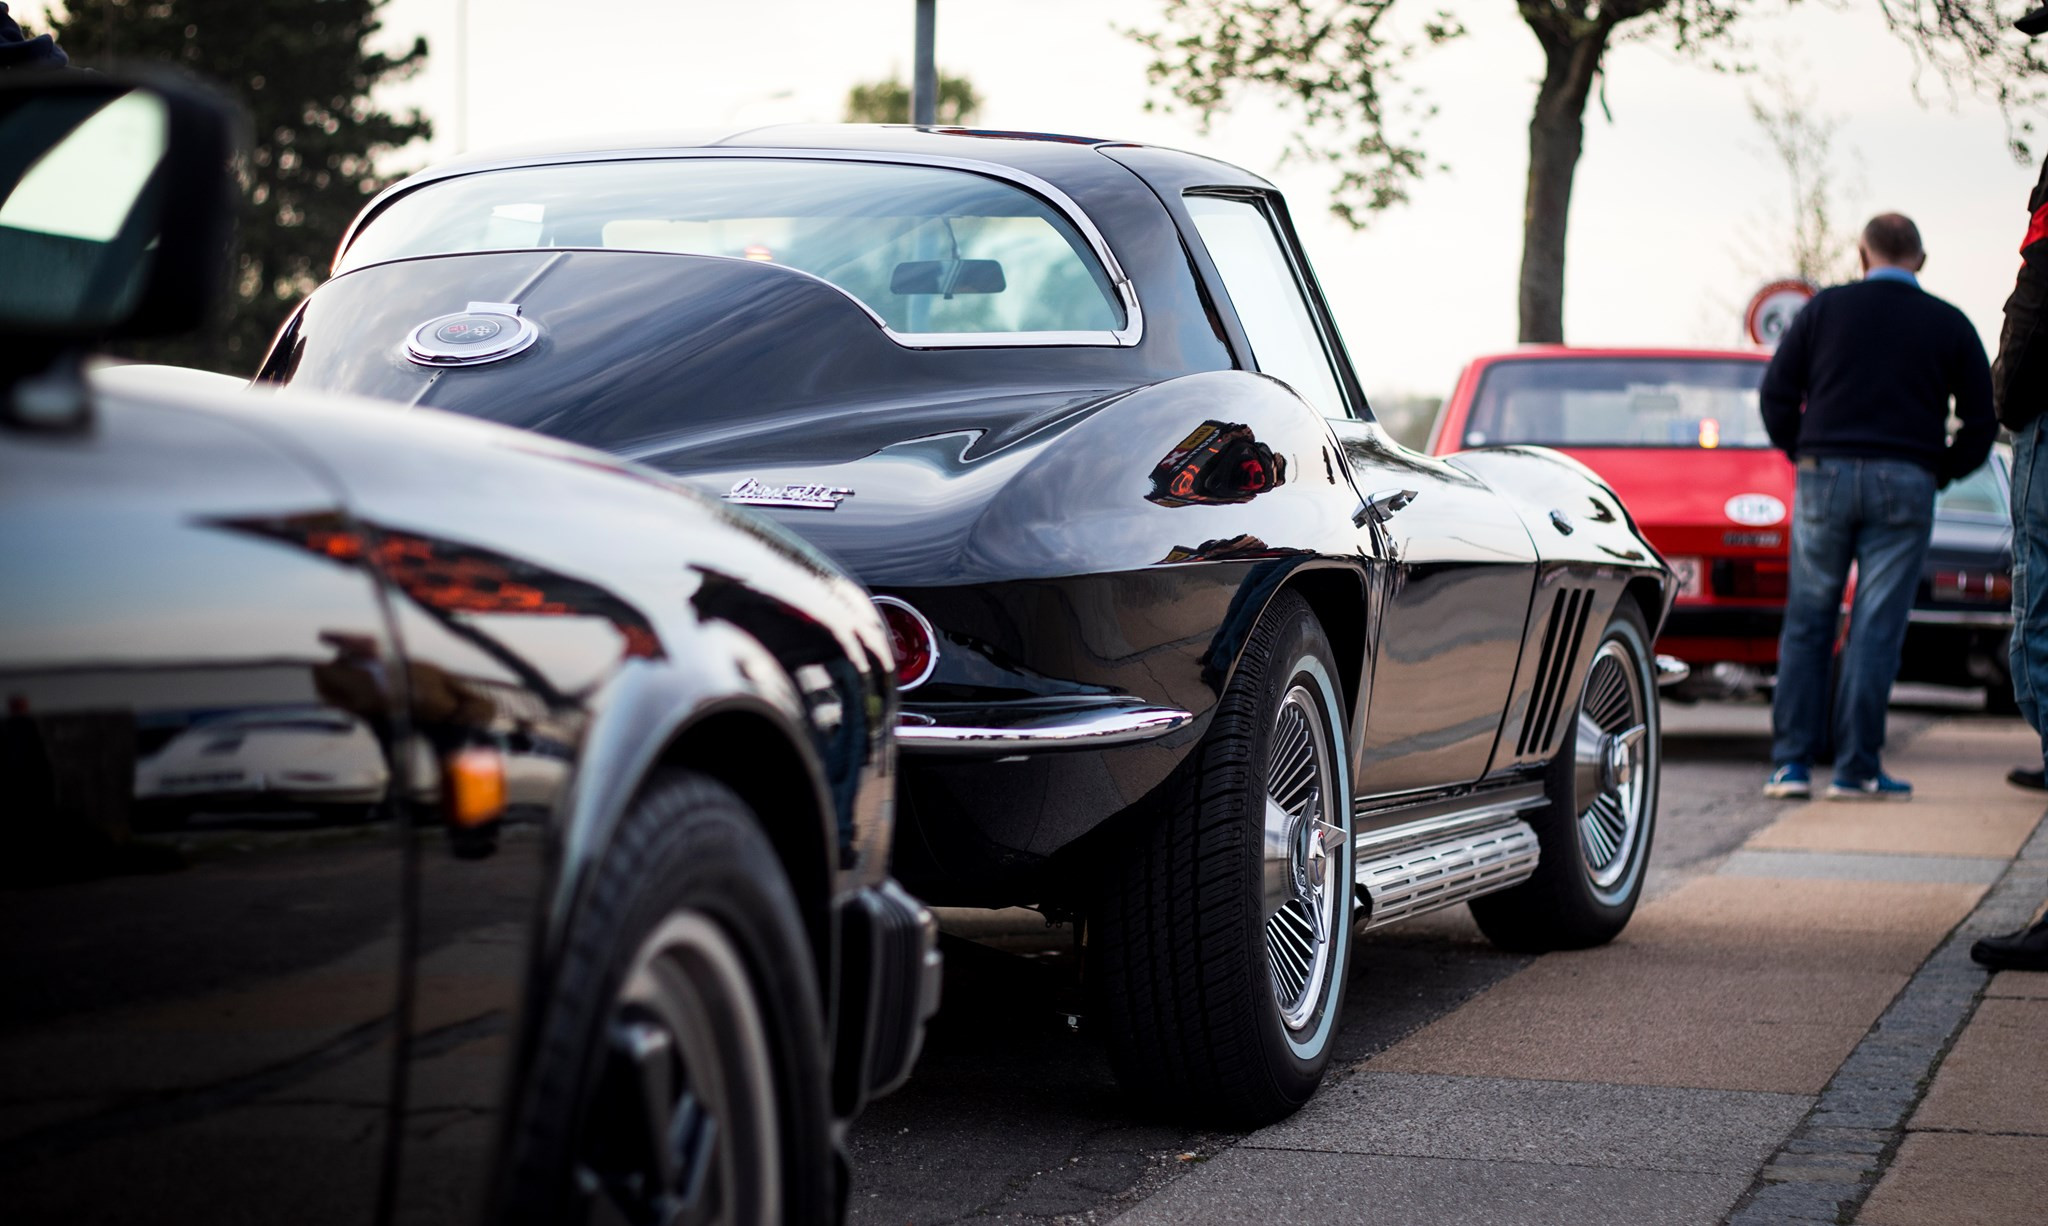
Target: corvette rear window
(929,249)
(1619,402)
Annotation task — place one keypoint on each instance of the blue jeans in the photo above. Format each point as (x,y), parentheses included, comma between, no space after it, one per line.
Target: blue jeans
(1879,515)
(2029,646)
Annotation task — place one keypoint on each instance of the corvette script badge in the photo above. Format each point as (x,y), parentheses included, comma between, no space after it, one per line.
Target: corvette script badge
(808,497)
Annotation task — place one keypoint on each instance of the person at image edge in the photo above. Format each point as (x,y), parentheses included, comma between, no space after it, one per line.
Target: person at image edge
(2019,386)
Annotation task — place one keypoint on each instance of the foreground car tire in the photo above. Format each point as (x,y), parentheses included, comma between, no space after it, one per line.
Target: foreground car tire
(680,1072)
(1220,939)
(1596,831)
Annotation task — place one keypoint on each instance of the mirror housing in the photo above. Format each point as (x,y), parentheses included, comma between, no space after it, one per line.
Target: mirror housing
(117,205)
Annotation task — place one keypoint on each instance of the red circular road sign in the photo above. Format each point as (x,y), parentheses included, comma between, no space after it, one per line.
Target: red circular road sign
(1771,311)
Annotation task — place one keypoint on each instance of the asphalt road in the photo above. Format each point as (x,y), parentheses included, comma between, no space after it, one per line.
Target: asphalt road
(1012,1114)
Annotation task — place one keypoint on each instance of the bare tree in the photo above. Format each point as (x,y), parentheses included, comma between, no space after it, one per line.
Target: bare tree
(1799,136)
(1337,64)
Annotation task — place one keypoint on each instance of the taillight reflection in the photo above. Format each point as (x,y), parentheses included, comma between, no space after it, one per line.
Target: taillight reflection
(912,639)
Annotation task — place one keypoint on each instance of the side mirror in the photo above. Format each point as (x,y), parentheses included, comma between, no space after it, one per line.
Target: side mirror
(116,208)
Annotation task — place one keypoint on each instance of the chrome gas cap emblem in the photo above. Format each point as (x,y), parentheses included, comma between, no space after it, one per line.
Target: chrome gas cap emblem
(485,332)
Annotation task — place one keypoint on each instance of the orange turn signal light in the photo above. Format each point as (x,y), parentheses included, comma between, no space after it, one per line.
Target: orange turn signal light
(475,786)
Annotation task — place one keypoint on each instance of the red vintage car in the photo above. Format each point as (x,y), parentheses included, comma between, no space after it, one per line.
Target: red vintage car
(1677,433)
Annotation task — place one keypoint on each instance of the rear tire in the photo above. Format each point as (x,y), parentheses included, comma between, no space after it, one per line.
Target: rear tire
(1220,939)
(679,1070)
(1595,833)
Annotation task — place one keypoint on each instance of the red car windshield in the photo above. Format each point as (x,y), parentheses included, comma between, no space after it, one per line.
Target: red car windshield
(1618,402)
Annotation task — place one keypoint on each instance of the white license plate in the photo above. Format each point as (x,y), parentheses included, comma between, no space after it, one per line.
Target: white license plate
(1691,576)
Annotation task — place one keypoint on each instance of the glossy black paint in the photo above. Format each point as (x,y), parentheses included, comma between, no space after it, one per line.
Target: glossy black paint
(1954,639)
(251,960)
(1066,516)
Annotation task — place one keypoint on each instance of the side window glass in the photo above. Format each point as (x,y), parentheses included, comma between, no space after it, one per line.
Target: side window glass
(1262,287)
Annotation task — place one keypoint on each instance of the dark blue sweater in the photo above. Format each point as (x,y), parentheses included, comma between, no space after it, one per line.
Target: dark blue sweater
(1875,364)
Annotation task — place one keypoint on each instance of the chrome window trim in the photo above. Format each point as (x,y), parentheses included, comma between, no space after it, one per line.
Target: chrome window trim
(1125,337)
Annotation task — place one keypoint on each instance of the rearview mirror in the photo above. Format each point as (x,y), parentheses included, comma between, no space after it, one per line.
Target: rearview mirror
(116,205)
(948,277)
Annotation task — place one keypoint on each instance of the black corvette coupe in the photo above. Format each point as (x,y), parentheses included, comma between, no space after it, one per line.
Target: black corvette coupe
(400,821)
(1191,648)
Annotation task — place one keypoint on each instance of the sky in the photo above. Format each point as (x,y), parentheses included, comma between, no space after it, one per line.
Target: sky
(1675,213)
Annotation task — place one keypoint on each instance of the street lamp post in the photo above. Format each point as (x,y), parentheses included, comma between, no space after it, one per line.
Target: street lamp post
(924,84)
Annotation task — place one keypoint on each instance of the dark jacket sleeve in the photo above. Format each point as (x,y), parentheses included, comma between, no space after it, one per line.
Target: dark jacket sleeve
(2019,380)
(1970,384)
(1784,387)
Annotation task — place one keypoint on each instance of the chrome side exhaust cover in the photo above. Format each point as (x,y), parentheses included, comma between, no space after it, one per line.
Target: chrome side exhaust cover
(1409,878)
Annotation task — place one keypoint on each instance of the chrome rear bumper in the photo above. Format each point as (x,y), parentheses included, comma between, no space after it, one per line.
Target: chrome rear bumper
(1034,726)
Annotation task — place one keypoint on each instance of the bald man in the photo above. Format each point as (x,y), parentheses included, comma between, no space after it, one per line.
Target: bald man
(1858,395)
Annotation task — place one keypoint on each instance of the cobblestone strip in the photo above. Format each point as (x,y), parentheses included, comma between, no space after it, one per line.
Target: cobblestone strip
(1830,1163)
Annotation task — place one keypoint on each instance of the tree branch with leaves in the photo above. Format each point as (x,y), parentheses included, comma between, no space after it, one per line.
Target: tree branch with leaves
(1337,66)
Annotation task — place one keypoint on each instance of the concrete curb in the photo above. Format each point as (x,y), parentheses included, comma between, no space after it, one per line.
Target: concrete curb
(1833,1160)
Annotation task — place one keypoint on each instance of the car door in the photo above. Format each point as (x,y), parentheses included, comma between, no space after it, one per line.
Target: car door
(200,880)
(1458,565)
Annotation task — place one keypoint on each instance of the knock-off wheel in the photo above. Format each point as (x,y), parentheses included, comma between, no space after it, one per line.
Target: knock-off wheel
(1305,860)
(1596,831)
(1610,755)
(1220,936)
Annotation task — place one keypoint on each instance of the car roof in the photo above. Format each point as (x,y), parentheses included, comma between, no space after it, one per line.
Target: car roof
(1033,151)
(1053,157)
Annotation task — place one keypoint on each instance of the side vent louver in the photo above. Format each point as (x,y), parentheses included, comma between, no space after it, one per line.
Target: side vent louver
(1561,639)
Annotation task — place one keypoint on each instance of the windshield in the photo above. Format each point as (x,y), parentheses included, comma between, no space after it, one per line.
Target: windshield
(930,250)
(1619,402)
(1976,494)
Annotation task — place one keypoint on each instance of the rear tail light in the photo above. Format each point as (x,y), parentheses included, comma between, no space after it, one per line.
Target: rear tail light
(1978,586)
(912,639)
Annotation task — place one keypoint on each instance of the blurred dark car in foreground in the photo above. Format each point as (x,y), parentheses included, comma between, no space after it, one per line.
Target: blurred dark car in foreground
(1190,647)
(411,821)
(1678,435)
(1961,622)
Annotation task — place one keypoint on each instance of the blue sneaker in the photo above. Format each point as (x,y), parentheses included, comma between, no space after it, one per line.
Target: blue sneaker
(1884,787)
(1789,782)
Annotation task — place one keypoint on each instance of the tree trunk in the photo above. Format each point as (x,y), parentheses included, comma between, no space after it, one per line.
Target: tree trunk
(1556,136)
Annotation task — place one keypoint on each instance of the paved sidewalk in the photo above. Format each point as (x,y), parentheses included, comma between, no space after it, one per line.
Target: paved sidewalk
(1724,1056)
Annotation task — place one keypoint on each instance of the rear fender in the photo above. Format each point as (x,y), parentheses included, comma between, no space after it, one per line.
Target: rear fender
(1212,465)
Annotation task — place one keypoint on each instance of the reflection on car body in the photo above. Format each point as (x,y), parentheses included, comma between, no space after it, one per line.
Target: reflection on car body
(310,755)
(428,824)
(1174,617)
